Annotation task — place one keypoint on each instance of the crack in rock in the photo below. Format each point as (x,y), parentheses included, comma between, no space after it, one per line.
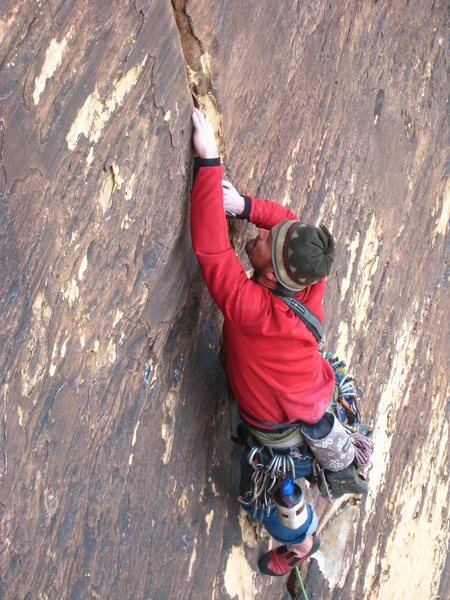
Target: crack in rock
(198,70)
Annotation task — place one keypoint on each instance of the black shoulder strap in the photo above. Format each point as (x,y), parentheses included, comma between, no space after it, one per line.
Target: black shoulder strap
(307,316)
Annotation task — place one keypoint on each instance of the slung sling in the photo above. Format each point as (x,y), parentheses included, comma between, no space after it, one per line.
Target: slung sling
(305,315)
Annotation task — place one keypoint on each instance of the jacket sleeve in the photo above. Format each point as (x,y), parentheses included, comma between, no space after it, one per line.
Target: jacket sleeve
(222,271)
(267,214)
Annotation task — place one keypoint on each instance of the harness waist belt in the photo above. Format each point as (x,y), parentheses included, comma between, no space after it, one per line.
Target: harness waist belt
(287,439)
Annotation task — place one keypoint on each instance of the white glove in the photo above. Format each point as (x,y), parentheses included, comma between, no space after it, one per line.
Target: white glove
(233,202)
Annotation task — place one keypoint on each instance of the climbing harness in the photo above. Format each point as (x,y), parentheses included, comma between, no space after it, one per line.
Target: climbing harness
(342,448)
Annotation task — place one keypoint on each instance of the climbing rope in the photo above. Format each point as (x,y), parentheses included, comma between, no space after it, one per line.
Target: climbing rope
(300,581)
(363,450)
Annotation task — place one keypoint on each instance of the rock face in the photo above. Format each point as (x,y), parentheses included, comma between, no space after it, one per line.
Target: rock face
(116,470)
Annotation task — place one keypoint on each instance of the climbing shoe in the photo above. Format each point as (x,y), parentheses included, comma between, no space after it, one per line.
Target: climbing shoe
(345,481)
(283,559)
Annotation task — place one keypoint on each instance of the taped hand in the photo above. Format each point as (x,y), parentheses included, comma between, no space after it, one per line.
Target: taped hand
(233,202)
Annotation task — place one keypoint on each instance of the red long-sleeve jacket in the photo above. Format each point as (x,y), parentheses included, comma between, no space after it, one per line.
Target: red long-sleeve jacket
(274,368)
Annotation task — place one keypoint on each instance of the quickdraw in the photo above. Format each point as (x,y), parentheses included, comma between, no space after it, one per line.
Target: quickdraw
(346,404)
(269,469)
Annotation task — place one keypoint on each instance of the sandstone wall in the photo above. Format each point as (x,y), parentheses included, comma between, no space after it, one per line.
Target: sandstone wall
(116,473)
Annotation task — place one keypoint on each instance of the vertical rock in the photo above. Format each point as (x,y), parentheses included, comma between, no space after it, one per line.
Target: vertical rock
(115,470)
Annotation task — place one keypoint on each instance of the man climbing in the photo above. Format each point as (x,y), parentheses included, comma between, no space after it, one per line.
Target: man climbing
(275,371)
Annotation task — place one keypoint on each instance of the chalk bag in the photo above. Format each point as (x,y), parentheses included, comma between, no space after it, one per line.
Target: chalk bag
(330,442)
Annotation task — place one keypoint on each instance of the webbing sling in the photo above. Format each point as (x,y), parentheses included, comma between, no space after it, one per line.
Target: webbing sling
(305,315)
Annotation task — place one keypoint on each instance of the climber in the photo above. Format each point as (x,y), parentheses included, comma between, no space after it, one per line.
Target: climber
(274,369)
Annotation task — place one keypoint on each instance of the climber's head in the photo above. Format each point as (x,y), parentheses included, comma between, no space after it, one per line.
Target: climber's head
(291,254)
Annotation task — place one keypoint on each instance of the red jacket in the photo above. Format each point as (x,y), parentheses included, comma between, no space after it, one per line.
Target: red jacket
(273,364)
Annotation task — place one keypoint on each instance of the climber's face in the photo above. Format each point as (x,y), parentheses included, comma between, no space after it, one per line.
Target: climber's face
(259,250)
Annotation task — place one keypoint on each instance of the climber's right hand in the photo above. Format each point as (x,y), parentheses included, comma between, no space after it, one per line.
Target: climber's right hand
(233,202)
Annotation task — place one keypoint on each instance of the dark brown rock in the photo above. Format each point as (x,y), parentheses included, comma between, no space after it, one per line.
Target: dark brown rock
(116,471)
